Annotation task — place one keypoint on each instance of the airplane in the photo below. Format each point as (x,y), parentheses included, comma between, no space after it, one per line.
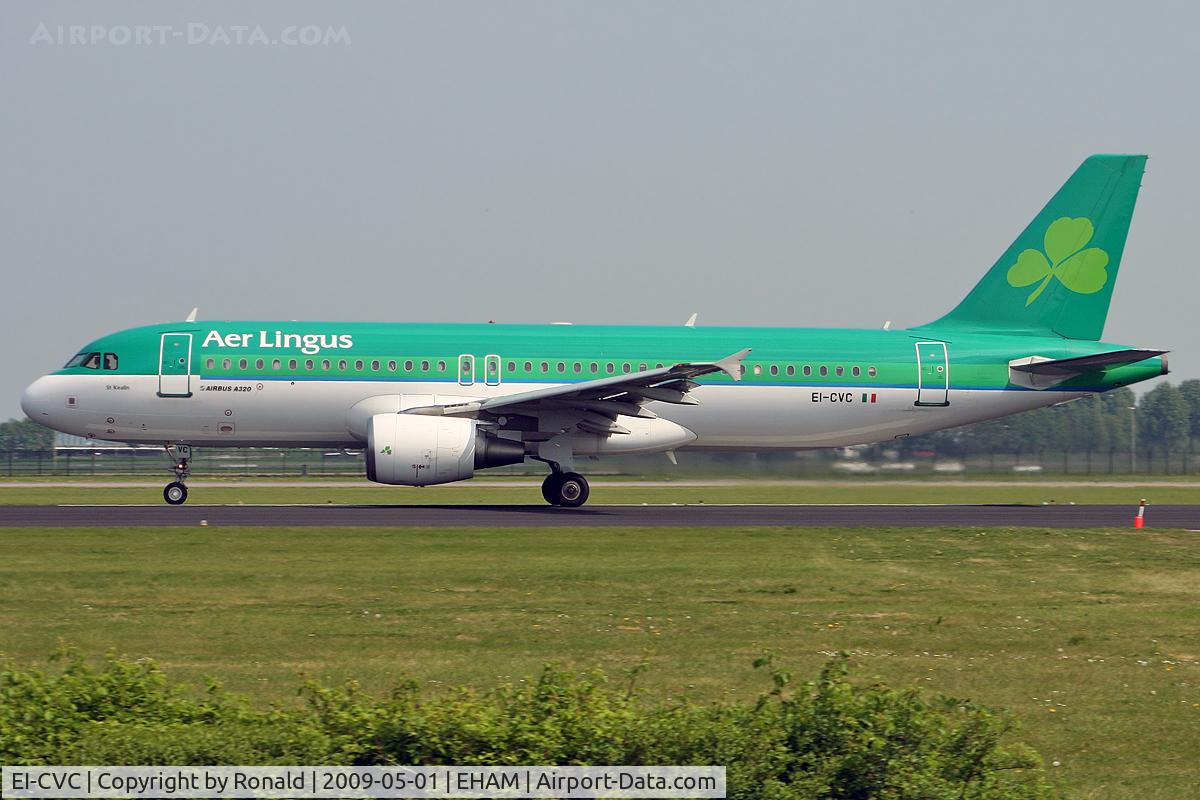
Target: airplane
(435,403)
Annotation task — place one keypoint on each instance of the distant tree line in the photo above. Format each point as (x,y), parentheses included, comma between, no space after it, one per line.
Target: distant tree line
(1165,425)
(26,437)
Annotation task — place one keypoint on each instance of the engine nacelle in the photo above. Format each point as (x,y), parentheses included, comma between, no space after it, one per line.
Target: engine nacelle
(419,450)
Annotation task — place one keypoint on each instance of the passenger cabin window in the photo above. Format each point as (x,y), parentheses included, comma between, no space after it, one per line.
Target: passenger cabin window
(758,369)
(807,370)
(791,370)
(391,366)
(276,364)
(609,367)
(358,364)
(824,371)
(562,367)
(871,372)
(259,364)
(309,364)
(243,364)
(840,371)
(226,363)
(325,364)
(855,371)
(529,367)
(774,369)
(425,367)
(375,366)
(343,365)
(211,363)
(512,366)
(408,366)
(293,364)
(441,366)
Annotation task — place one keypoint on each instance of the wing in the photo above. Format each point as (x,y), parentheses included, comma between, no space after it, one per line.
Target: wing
(599,402)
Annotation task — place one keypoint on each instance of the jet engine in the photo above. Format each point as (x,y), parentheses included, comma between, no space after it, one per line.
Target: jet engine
(419,450)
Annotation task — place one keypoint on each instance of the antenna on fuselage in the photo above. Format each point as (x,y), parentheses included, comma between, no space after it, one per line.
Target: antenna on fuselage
(691,323)
(887,326)
(192,316)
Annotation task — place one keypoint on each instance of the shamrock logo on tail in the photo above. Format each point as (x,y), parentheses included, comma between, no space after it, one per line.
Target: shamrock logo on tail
(1082,271)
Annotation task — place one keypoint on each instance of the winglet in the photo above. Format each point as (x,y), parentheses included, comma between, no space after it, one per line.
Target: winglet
(691,323)
(192,316)
(732,365)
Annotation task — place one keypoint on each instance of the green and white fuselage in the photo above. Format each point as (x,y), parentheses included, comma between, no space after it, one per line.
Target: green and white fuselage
(434,403)
(801,388)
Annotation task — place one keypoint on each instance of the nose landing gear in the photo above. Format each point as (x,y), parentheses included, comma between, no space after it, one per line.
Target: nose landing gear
(176,493)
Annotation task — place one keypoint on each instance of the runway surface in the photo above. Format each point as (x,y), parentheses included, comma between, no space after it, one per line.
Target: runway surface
(507,516)
(605,482)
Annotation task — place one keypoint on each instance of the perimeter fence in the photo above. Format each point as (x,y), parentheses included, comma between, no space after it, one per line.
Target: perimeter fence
(865,463)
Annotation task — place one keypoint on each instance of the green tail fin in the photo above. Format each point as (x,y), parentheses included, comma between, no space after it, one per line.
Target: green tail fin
(1058,276)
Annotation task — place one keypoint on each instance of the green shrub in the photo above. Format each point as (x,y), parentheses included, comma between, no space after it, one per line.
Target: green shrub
(217,742)
(833,738)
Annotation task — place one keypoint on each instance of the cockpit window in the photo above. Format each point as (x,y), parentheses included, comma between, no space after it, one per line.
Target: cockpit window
(92,361)
(110,360)
(76,360)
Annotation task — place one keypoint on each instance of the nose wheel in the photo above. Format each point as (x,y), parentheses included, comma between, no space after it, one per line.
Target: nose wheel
(567,489)
(175,492)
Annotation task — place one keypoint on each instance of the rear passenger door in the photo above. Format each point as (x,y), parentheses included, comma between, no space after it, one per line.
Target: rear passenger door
(933,374)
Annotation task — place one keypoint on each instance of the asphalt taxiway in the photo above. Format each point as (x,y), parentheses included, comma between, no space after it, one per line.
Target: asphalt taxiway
(510,516)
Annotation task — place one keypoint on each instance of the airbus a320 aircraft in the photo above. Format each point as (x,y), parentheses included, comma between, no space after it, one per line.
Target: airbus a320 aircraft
(433,404)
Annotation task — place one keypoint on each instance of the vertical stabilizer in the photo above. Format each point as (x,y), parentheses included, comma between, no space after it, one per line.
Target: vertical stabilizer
(1058,276)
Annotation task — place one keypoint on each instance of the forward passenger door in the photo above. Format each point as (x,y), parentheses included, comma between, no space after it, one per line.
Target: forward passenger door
(175,365)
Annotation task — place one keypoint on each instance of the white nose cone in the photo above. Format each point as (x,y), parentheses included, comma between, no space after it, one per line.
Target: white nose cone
(34,400)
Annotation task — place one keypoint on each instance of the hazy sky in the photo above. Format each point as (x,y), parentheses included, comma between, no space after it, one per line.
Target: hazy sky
(761,163)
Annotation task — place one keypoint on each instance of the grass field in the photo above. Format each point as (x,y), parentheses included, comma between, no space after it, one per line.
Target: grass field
(616,491)
(1091,637)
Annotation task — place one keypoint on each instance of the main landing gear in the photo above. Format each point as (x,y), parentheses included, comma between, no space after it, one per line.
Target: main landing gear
(568,489)
(175,492)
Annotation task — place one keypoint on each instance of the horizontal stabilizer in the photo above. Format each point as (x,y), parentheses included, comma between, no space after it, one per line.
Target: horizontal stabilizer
(1075,366)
